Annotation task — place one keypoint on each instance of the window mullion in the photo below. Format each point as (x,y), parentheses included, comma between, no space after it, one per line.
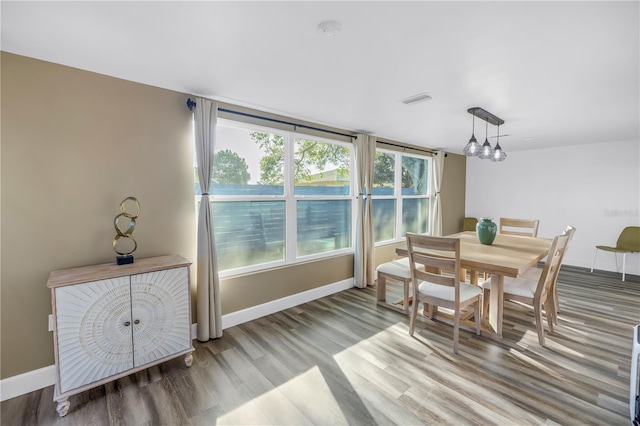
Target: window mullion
(291,230)
(398,195)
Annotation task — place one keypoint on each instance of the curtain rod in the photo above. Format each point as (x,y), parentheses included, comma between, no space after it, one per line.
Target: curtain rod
(407,147)
(191,104)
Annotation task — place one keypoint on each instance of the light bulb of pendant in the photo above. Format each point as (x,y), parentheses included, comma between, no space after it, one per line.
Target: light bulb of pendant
(473,147)
(498,153)
(486,151)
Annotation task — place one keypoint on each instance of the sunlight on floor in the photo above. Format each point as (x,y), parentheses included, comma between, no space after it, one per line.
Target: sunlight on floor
(308,391)
(564,350)
(529,341)
(527,360)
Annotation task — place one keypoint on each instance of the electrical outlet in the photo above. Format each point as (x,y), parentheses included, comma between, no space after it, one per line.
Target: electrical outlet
(50,322)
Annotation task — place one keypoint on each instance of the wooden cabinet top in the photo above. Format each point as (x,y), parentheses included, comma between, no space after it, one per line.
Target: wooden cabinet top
(85,274)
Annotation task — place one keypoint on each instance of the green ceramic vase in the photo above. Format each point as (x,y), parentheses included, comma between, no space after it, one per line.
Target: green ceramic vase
(486,230)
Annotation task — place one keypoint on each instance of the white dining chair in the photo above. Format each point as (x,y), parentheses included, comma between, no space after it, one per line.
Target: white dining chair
(534,274)
(436,289)
(537,293)
(394,270)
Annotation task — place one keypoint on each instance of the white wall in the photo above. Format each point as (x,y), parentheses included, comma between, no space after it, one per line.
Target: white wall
(595,188)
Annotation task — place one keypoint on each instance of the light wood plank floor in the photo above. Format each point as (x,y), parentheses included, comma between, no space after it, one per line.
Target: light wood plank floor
(343,360)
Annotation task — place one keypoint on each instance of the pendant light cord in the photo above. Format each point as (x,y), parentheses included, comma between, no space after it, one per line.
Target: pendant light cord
(473,126)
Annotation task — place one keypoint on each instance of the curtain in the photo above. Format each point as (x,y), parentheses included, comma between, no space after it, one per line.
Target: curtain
(436,212)
(363,270)
(208,287)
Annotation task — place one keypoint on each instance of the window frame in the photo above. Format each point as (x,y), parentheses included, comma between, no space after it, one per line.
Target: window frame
(290,199)
(399,197)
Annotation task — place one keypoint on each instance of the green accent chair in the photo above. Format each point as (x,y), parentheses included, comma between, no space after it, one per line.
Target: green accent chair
(628,242)
(469,224)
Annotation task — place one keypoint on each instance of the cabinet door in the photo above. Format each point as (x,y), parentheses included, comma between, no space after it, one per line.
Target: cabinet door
(161,317)
(93,329)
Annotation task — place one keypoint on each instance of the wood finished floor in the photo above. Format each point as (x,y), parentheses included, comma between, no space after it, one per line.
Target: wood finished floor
(343,360)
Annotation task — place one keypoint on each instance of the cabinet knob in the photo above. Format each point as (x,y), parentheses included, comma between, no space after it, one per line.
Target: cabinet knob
(127,324)
(137,321)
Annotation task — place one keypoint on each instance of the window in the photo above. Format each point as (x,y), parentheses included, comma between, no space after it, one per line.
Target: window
(322,188)
(400,195)
(278,196)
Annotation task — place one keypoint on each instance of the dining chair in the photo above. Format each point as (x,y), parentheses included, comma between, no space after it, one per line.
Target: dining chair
(469,224)
(537,293)
(569,230)
(534,274)
(628,242)
(395,270)
(524,227)
(436,289)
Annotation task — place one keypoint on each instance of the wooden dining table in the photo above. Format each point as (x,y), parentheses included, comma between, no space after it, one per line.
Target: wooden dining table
(508,256)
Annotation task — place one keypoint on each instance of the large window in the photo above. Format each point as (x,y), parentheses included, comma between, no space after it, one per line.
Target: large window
(400,195)
(278,197)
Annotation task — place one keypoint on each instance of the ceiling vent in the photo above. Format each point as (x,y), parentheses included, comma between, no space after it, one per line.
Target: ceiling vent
(420,97)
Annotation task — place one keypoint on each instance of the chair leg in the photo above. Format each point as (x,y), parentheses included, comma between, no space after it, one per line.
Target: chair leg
(414,314)
(556,303)
(485,304)
(382,287)
(624,257)
(463,275)
(429,311)
(594,260)
(549,308)
(476,315)
(552,303)
(456,331)
(405,300)
(537,313)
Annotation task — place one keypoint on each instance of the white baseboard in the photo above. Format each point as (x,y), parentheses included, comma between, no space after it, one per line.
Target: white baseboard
(27,382)
(255,312)
(30,381)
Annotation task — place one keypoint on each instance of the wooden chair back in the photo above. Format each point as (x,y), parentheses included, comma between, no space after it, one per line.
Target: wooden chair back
(570,230)
(551,268)
(445,258)
(525,227)
(443,255)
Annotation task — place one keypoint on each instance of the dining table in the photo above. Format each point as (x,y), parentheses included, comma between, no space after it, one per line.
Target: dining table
(507,256)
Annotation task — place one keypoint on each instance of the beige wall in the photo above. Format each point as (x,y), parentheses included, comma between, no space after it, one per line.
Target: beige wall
(453,193)
(75,144)
(249,290)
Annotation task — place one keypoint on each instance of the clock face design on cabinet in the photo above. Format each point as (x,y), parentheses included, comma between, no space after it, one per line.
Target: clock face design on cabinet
(109,326)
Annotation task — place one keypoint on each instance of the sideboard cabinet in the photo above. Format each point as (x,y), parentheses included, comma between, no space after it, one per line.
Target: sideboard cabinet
(113,320)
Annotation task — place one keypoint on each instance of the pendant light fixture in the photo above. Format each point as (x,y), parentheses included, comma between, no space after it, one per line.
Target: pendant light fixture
(498,153)
(485,151)
(473,147)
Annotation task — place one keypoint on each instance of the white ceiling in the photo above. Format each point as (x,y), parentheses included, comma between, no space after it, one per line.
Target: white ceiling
(558,73)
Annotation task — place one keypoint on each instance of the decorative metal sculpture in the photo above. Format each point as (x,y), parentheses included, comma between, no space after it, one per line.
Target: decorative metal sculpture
(125,257)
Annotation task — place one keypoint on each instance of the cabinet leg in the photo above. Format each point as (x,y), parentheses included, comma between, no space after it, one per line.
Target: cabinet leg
(63,407)
(188,359)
